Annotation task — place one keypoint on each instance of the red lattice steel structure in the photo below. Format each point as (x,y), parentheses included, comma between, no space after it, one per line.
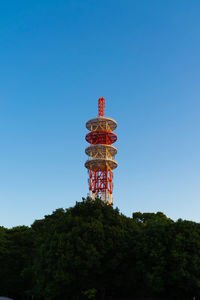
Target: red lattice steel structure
(101,154)
(101,107)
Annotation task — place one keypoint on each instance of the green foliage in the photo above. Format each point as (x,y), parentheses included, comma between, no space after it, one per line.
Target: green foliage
(90,294)
(15,255)
(91,251)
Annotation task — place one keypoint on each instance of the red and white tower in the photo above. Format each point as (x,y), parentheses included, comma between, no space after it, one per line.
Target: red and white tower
(101,154)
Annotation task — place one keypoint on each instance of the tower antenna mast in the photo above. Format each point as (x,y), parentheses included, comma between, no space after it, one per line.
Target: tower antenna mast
(101,154)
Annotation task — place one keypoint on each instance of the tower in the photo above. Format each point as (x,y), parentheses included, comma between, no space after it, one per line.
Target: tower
(101,154)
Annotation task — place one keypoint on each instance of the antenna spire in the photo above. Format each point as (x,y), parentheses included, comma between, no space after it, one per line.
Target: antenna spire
(101,107)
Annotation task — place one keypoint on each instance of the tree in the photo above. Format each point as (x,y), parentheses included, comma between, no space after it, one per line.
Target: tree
(91,251)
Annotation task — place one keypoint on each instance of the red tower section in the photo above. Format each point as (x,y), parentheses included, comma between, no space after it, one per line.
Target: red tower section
(101,107)
(101,154)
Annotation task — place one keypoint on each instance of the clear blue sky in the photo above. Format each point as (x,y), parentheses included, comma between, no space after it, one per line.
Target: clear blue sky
(56,59)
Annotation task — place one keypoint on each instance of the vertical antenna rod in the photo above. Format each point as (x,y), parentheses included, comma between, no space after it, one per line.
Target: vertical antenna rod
(101,107)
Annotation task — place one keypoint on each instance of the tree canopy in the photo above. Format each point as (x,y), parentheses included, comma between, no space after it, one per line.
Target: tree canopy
(92,251)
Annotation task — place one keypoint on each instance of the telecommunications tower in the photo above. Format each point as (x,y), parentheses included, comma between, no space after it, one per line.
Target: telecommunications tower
(101,154)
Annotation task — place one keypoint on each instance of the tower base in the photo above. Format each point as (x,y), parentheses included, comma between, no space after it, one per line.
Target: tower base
(104,196)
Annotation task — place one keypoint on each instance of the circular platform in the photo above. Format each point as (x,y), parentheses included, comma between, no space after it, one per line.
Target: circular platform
(101,137)
(101,123)
(101,151)
(98,164)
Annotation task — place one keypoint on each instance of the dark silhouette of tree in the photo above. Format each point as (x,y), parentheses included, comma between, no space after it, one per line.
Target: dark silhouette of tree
(92,251)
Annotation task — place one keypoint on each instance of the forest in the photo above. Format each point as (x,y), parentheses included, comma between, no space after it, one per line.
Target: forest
(92,251)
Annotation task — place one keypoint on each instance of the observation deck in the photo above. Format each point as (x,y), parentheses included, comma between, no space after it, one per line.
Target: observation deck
(101,123)
(99,164)
(101,151)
